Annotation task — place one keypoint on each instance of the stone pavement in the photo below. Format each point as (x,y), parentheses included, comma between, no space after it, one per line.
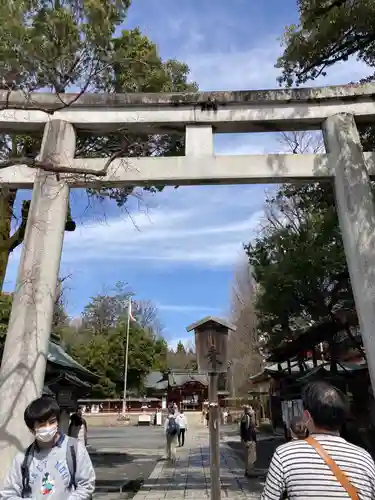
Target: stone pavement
(190,476)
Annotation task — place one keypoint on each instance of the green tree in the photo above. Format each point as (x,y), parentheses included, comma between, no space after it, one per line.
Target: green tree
(100,342)
(102,349)
(298,261)
(101,355)
(104,355)
(161,355)
(309,250)
(180,348)
(60,316)
(328,32)
(182,358)
(59,45)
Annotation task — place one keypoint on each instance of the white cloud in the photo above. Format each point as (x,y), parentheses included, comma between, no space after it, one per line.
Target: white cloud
(206,233)
(191,226)
(254,67)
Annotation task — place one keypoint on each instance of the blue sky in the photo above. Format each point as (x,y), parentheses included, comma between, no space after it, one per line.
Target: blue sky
(182,253)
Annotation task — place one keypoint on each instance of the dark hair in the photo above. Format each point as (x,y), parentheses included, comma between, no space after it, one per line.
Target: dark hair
(41,410)
(76,419)
(298,427)
(326,404)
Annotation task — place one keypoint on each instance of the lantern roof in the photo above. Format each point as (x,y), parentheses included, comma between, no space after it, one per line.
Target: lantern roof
(211,320)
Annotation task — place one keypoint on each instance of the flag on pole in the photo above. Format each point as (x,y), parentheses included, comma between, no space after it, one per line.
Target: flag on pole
(130,311)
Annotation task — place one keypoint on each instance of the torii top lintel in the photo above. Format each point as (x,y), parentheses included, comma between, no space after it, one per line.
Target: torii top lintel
(51,101)
(226,112)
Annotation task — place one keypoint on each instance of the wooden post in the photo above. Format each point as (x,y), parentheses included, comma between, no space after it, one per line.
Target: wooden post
(314,358)
(214,429)
(289,367)
(211,339)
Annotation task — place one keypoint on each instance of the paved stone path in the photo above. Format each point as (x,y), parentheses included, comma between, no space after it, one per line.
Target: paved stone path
(190,476)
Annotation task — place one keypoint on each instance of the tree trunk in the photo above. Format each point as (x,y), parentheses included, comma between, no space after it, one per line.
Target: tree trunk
(9,242)
(7,199)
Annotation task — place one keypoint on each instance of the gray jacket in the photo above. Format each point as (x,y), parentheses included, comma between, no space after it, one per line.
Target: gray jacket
(50,477)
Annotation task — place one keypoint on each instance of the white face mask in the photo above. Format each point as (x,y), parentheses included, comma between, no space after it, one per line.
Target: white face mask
(46,434)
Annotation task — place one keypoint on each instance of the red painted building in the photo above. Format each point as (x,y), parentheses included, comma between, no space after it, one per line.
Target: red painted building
(186,388)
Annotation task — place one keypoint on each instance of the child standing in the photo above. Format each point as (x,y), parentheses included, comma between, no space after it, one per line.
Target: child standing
(53,464)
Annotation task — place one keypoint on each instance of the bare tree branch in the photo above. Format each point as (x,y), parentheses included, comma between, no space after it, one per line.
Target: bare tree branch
(244,343)
(48,166)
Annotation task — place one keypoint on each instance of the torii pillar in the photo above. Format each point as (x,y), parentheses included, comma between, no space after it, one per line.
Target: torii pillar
(26,348)
(356,213)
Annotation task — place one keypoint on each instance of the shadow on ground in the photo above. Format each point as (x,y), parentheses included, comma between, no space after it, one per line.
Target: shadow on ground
(123,472)
(265,450)
(200,487)
(191,477)
(103,459)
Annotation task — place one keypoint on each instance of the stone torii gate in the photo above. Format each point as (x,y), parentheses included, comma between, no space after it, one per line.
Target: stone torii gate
(335,110)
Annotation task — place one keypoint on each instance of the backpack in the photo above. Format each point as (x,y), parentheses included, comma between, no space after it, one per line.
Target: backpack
(172,427)
(247,430)
(71,460)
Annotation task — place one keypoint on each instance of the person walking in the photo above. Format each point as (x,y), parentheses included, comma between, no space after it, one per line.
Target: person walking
(225,416)
(324,465)
(78,427)
(205,416)
(248,438)
(171,429)
(182,424)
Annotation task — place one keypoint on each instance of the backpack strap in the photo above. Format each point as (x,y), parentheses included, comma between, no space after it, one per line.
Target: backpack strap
(25,471)
(71,460)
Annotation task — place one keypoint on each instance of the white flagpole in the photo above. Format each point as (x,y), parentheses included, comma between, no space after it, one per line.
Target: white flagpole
(126,358)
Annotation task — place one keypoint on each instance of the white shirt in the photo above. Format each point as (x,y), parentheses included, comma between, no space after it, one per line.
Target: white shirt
(181,420)
(78,432)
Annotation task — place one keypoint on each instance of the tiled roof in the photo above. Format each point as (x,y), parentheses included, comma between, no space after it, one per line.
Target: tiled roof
(70,379)
(57,356)
(153,379)
(178,378)
(160,381)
